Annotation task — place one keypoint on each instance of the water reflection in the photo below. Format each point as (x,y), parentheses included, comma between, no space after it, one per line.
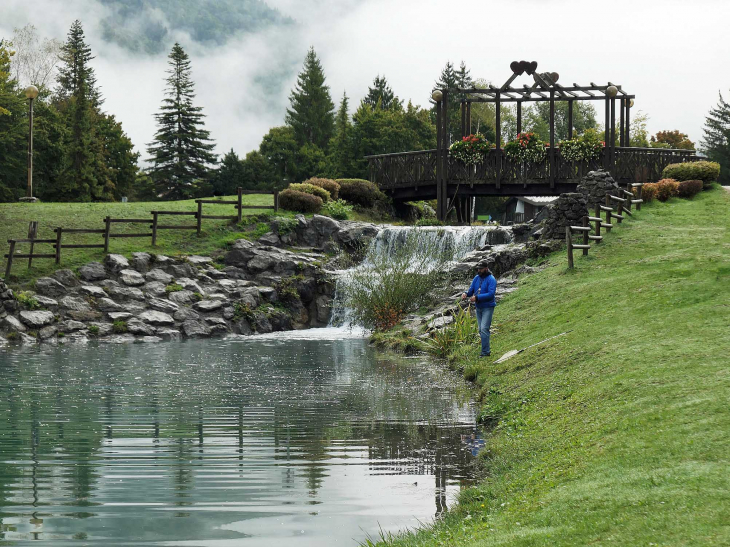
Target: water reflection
(252,442)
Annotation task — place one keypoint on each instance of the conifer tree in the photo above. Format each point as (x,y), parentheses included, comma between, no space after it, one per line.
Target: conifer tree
(340,146)
(182,149)
(381,93)
(75,70)
(449,79)
(716,138)
(311,114)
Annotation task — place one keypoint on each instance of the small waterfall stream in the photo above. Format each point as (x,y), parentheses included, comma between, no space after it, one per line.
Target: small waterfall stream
(451,242)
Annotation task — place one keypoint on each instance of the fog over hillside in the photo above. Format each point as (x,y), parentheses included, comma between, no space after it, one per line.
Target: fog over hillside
(246,53)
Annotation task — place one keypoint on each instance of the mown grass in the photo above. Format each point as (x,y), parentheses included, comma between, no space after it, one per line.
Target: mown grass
(617,433)
(216,234)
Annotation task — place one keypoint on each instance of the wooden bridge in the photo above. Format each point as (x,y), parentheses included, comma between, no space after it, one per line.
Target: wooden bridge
(430,174)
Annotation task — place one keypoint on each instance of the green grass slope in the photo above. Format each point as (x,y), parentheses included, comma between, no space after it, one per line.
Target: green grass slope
(14,218)
(617,433)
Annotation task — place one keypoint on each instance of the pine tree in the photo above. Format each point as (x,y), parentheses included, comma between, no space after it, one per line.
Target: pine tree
(182,149)
(229,176)
(340,145)
(75,70)
(311,114)
(716,139)
(381,94)
(463,79)
(449,79)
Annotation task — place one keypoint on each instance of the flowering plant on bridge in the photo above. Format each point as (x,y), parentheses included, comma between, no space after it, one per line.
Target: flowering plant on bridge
(471,150)
(526,147)
(584,148)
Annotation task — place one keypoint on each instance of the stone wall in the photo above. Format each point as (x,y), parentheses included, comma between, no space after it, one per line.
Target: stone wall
(568,209)
(595,185)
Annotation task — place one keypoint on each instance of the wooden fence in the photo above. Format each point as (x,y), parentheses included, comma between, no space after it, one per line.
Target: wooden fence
(620,211)
(107,232)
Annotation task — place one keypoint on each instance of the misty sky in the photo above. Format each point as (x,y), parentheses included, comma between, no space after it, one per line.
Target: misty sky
(671,53)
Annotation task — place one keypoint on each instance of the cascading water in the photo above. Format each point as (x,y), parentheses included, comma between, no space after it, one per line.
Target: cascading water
(449,243)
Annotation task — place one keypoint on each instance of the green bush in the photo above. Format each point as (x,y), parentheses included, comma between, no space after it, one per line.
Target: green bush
(173,287)
(293,200)
(337,209)
(706,171)
(462,331)
(689,188)
(285,225)
(318,191)
(119,327)
(667,188)
(94,330)
(328,184)
(28,300)
(360,192)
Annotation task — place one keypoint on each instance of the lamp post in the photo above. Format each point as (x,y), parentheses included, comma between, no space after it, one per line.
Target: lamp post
(31,92)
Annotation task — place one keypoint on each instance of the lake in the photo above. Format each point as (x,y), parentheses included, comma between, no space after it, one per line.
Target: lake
(308,438)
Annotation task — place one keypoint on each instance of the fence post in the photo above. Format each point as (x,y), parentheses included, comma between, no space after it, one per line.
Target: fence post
(276,201)
(154,228)
(619,211)
(585,234)
(199,216)
(107,228)
(59,232)
(240,204)
(628,196)
(608,213)
(598,222)
(569,241)
(32,233)
(638,196)
(11,252)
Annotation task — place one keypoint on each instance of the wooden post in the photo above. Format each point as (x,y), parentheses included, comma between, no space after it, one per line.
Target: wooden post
(638,196)
(107,228)
(444,154)
(32,233)
(619,211)
(628,197)
(463,118)
(276,201)
(569,241)
(439,197)
(59,232)
(519,117)
(585,235)
(468,117)
(11,252)
(613,133)
(607,136)
(598,222)
(240,204)
(199,217)
(498,137)
(551,152)
(627,138)
(154,228)
(622,104)
(608,213)
(570,120)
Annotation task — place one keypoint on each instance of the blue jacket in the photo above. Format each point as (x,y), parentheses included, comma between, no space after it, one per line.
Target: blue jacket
(485,288)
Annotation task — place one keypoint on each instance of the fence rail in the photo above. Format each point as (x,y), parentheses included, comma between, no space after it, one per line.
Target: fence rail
(107,233)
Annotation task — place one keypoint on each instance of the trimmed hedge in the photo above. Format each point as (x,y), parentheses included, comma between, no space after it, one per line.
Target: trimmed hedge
(649,191)
(293,200)
(667,188)
(360,192)
(328,184)
(706,171)
(305,188)
(689,188)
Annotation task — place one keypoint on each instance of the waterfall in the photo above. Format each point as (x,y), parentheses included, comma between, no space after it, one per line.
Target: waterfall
(451,242)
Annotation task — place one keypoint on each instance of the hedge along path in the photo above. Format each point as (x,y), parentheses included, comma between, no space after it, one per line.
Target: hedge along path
(74,241)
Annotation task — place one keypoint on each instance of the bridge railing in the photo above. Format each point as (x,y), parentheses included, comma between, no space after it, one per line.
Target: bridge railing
(628,164)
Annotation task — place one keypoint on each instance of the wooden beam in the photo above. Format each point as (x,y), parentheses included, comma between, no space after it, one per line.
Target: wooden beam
(551,152)
(570,120)
(498,138)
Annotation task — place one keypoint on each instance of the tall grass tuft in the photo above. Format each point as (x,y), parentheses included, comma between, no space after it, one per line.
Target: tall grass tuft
(463,331)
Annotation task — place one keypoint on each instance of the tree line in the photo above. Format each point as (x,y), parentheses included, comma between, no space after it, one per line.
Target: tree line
(83,154)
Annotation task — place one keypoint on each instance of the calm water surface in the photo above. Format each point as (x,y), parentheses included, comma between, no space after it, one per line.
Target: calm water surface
(256,442)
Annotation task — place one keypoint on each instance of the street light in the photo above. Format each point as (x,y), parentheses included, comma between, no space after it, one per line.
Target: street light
(31,92)
(611,91)
(437,95)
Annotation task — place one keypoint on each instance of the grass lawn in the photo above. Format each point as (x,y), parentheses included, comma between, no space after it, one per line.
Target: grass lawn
(619,432)
(14,218)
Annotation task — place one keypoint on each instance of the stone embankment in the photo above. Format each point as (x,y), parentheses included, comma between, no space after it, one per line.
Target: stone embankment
(256,287)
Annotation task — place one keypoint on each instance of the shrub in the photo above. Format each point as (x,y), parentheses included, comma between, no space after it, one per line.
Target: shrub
(287,291)
(328,184)
(337,209)
(649,191)
(94,330)
(360,192)
(706,171)
(667,188)
(462,331)
(28,300)
(119,327)
(318,191)
(173,287)
(689,188)
(292,200)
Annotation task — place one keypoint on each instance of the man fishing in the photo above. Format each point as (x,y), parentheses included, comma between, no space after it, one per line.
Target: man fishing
(481,292)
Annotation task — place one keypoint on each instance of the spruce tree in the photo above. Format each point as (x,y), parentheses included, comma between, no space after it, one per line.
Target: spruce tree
(341,143)
(75,70)
(182,149)
(716,139)
(449,79)
(311,114)
(381,94)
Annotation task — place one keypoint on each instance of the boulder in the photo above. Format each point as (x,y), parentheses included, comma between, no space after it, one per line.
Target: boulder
(116,263)
(103,329)
(126,293)
(93,271)
(92,290)
(141,261)
(270,238)
(36,319)
(163,305)
(207,306)
(169,334)
(154,288)
(67,277)
(131,278)
(107,304)
(118,339)
(162,261)
(261,323)
(195,329)
(135,326)
(196,260)
(46,302)
(240,253)
(148,339)
(183,270)
(189,284)
(155,317)
(119,315)
(229,313)
(323,308)
(47,286)
(356,234)
(71,326)
(158,275)
(182,297)
(84,315)
(47,332)
(12,324)
(242,326)
(74,303)
(183,314)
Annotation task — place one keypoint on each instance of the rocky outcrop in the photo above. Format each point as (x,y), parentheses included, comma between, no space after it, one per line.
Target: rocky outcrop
(319,232)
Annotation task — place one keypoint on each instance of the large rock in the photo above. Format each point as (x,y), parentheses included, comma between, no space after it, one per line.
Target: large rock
(183,314)
(207,306)
(107,304)
(158,275)
(169,334)
(46,302)
(47,332)
(323,308)
(184,270)
(155,288)
(12,324)
(93,271)
(195,329)
(116,263)
(126,293)
(154,317)
(270,238)
(189,285)
(239,255)
(47,286)
(135,326)
(74,303)
(119,339)
(141,261)
(182,297)
(36,319)
(67,277)
(71,326)
(356,234)
(163,305)
(84,315)
(131,278)
(196,260)
(92,290)
(119,315)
